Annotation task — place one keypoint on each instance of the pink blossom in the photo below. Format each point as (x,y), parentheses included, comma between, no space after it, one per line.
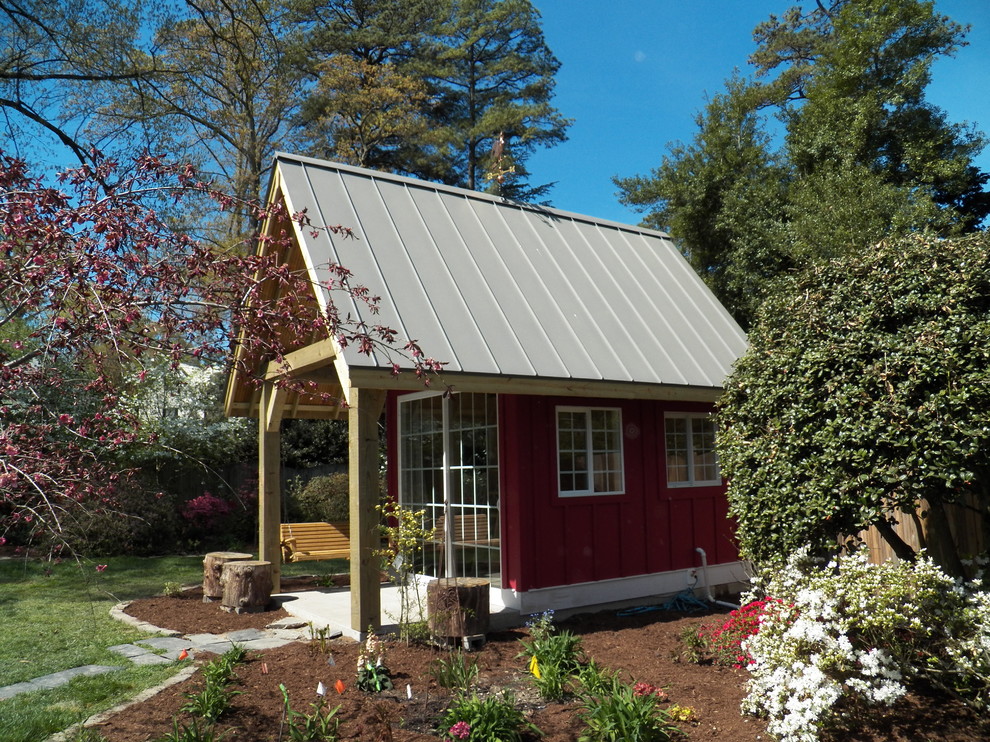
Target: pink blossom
(460,730)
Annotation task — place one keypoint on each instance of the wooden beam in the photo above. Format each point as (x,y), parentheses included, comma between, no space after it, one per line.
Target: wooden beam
(273,407)
(365,407)
(305,360)
(408,381)
(269,487)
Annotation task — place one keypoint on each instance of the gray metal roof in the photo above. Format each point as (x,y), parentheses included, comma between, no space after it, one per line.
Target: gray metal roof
(499,288)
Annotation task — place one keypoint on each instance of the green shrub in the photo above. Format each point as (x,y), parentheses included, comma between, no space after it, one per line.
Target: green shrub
(323,498)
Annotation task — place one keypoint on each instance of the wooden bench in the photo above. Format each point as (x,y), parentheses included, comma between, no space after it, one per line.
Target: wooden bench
(468,530)
(303,542)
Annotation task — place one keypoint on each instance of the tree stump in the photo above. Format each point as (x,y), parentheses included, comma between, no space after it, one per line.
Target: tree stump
(457,607)
(247,586)
(212,567)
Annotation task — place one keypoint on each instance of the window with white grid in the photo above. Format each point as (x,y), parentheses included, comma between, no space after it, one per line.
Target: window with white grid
(589,451)
(691,459)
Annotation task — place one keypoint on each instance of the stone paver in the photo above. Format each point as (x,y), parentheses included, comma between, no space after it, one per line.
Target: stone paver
(168,643)
(245,635)
(54,680)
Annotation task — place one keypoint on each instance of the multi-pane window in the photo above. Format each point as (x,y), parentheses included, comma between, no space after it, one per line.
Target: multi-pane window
(589,451)
(691,459)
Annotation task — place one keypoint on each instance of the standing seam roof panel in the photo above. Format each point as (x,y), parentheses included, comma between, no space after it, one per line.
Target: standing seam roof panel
(496,287)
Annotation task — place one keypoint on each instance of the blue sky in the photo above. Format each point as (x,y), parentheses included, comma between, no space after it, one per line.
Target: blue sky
(634,73)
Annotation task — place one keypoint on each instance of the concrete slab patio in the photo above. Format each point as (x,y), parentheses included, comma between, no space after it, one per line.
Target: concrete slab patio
(331,608)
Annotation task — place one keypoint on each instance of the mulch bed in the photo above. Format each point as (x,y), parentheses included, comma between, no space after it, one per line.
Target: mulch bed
(645,647)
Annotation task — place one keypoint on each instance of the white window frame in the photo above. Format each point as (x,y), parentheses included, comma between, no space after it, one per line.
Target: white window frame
(690,460)
(590,452)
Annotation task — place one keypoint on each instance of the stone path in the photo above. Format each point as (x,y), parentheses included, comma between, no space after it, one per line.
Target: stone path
(162,650)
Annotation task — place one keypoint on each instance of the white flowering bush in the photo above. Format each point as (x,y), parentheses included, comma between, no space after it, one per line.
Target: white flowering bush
(847,635)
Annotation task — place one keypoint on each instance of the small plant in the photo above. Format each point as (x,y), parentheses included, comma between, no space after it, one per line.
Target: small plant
(406,533)
(319,639)
(172,589)
(493,719)
(322,725)
(193,733)
(221,670)
(615,712)
(457,672)
(211,702)
(372,674)
(553,657)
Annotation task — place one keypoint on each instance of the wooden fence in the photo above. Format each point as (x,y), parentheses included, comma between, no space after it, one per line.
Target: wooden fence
(965,523)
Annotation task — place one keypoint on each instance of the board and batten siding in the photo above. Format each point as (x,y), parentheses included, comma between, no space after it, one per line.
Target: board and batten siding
(549,540)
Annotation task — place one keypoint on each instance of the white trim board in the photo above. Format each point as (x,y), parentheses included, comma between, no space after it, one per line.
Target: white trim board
(731,575)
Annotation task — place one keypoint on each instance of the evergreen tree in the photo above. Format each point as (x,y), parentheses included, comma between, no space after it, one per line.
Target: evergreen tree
(723,197)
(865,156)
(432,89)
(494,81)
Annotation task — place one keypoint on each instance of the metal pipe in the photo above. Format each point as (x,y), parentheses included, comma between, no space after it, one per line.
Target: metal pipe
(708,588)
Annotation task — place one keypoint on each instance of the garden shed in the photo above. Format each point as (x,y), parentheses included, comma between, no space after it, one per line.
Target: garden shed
(571,460)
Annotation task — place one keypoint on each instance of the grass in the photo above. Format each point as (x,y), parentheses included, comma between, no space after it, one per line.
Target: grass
(57,616)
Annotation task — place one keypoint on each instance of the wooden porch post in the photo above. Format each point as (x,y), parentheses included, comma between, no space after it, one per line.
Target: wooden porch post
(270,479)
(365,407)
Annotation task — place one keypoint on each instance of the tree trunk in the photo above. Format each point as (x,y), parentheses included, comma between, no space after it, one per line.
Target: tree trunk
(247,586)
(212,568)
(901,548)
(940,541)
(457,607)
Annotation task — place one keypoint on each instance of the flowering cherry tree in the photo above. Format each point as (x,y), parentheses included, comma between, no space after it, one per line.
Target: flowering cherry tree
(97,289)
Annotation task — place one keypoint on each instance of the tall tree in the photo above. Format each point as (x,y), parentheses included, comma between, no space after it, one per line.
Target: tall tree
(850,85)
(488,77)
(370,105)
(221,95)
(494,82)
(364,113)
(57,61)
(864,156)
(722,197)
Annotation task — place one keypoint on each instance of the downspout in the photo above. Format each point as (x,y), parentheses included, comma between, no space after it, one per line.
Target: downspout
(708,588)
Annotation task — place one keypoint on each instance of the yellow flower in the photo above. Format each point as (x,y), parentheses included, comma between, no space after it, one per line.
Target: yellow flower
(534,667)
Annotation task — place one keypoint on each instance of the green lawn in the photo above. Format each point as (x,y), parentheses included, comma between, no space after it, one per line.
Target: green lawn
(57,616)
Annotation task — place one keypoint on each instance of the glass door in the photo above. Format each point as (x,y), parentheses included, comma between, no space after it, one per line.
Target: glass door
(448,467)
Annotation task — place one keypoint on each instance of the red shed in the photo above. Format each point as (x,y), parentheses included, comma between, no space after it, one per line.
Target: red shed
(573,463)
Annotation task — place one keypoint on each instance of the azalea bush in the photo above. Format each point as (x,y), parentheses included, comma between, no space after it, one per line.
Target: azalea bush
(720,641)
(846,635)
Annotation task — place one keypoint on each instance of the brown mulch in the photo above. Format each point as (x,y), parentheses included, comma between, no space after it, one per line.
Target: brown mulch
(645,647)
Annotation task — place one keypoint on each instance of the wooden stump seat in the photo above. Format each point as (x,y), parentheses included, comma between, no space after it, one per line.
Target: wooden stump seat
(247,586)
(303,542)
(458,607)
(212,568)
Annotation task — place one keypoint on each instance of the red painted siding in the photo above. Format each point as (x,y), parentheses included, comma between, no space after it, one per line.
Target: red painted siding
(550,540)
